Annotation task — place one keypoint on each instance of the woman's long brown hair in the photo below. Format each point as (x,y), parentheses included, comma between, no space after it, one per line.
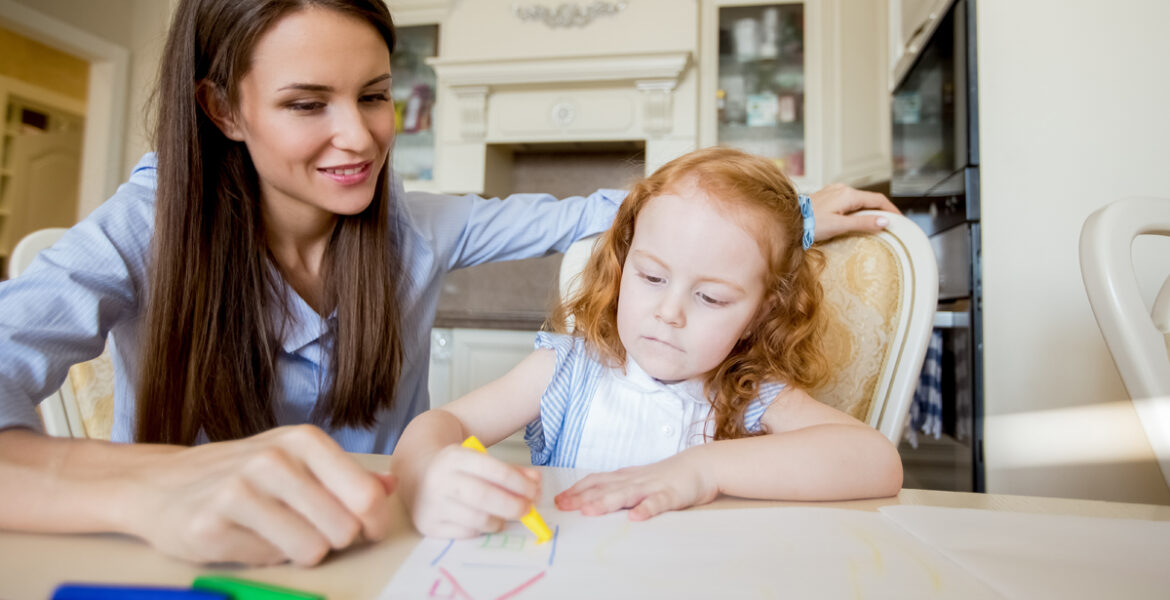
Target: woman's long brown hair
(216,304)
(785,339)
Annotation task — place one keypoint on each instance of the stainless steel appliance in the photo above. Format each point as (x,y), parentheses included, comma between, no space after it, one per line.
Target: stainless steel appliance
(936,184)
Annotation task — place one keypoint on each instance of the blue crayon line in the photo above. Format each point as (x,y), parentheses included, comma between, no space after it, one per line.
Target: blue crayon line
(553,551)
(445,549)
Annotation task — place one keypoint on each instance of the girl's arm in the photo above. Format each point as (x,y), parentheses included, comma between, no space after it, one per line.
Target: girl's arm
(814,452)
(451,491)
(287,494)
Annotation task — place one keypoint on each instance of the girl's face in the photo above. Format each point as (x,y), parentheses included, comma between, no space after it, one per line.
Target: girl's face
(316,115)
(691,284)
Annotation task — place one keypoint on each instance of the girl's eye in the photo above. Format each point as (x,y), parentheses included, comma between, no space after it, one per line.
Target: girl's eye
(712,301)
(652,278)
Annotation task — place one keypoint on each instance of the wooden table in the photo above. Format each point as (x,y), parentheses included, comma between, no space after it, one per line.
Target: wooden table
(31,565)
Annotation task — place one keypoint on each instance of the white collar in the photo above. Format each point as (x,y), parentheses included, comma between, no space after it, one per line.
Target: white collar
(636,377)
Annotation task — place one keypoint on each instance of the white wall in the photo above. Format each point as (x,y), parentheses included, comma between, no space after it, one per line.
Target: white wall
(1075,113)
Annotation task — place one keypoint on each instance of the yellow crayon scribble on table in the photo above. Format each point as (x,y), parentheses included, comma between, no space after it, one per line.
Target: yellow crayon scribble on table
(611,540)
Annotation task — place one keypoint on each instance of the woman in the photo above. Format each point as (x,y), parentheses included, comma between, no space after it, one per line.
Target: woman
(270,310)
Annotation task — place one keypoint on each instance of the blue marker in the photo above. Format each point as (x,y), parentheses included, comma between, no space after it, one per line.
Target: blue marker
(97,591)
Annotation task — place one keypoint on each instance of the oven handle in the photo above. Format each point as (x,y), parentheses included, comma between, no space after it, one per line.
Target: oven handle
(952,319)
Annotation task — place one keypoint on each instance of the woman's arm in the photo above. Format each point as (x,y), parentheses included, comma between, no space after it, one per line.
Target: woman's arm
(470,230)
(813,452)
(451,491)
(287,494)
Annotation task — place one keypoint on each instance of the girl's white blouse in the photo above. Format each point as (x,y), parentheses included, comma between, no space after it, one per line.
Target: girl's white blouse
(636,420)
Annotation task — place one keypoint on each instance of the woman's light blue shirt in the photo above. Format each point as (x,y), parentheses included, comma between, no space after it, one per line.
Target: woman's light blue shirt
(93,281)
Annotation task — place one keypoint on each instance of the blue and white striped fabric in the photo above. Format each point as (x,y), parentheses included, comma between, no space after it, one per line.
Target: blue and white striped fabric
(596,417)
(926,409)
(92,284)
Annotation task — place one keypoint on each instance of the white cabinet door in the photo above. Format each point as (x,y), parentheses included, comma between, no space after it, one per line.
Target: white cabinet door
(801,82)
(465,359)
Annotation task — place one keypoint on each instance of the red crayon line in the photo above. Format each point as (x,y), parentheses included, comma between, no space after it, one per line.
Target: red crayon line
(458,588)
(522,586)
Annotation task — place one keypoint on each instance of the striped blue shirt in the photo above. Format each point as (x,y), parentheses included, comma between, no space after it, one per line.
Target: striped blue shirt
(92,283)
(601,418)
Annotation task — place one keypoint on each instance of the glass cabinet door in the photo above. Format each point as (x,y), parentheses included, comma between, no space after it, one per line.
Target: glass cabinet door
(414,96)
(759,95)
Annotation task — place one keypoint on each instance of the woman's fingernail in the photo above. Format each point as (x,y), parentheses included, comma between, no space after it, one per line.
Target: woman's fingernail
(882,221)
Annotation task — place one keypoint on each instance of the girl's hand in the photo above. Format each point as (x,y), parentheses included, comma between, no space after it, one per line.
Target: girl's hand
(464,493)
(289,494)
(648,490)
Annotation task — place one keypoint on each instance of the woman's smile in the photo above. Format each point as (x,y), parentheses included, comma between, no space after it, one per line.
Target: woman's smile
(348,174)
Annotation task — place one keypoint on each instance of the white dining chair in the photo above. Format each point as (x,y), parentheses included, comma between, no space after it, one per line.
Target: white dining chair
(1138,337)
(83,405)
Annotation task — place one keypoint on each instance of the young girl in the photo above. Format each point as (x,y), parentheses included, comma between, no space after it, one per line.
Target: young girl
(693,338)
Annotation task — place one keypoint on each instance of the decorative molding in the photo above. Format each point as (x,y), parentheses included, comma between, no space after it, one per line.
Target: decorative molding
(580,69)
(472,111)
(657,106)
(563,113)
(566,14)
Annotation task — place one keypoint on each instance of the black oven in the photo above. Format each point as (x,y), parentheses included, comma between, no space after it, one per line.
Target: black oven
(936,184)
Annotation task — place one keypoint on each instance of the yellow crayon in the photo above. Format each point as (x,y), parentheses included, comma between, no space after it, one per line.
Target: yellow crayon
(532,520)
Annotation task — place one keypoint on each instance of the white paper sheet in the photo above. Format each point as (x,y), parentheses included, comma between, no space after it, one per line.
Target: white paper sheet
(756,553)
(1036,556)
(798,552)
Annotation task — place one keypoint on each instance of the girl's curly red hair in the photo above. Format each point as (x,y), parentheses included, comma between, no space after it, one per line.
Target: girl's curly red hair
(783,343)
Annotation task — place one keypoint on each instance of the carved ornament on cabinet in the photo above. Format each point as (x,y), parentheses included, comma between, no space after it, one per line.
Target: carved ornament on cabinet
(566,14)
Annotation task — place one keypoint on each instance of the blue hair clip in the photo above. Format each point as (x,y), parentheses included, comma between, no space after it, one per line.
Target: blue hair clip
(810,224)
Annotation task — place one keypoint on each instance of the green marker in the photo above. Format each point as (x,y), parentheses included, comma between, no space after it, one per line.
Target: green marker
(242,589)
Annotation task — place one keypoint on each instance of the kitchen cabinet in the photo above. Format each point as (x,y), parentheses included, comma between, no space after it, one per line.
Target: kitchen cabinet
(911,24)
(801,82)
(417,27)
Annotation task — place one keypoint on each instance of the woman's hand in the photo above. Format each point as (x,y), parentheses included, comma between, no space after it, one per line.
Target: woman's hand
(648,490)
(289,494)
(834,208)
(464,493)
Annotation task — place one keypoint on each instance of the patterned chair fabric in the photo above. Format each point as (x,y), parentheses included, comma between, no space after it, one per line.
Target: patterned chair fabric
(92,383)
(881,291)
(863,285)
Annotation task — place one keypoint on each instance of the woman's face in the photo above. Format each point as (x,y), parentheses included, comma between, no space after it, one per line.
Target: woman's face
(316,115)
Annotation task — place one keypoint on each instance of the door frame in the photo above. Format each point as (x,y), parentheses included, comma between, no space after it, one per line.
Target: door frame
(107,96)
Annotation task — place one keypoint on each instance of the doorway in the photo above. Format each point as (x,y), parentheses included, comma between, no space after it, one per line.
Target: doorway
(42,119)
(40,169)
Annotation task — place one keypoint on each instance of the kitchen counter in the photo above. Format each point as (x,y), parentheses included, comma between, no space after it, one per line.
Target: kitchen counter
(515,295)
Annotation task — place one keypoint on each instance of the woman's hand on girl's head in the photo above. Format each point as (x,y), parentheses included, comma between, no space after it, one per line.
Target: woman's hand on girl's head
(289,494)
(671,484)
(834,209)
(464,493)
